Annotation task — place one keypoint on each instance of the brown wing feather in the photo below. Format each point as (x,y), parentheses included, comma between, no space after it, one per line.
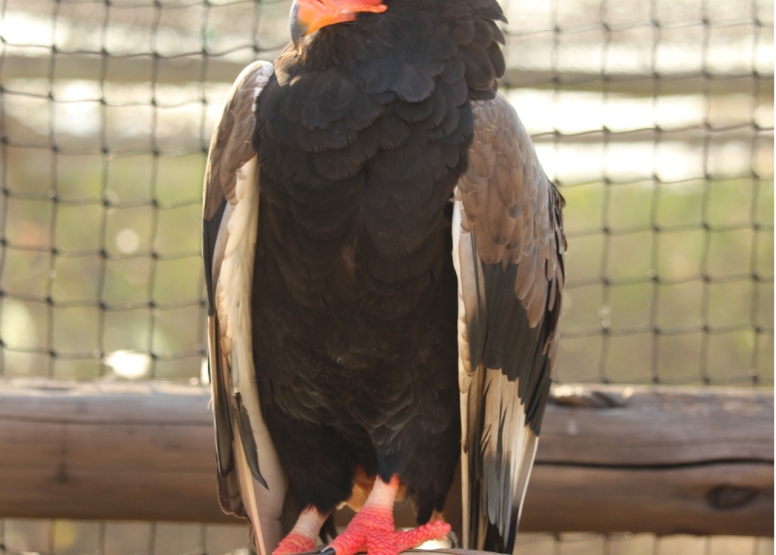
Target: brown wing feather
(247,461)
(230,149)
(509,204)
(508,250)
(230,145)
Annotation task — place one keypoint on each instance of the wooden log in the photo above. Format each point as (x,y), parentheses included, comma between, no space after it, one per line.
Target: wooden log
(656,426)
(644,459)
(130,451)
(716,498)
(664,460)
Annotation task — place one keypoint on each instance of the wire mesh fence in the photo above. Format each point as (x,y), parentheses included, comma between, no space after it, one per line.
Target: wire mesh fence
(654,117)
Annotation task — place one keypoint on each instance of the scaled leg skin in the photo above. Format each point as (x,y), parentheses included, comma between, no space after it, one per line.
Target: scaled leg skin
(372,529)
(302,537)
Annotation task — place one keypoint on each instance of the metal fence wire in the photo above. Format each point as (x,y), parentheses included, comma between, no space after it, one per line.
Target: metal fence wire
(654,117)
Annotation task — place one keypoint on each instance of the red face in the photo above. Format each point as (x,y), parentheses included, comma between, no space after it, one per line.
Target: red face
(307,16)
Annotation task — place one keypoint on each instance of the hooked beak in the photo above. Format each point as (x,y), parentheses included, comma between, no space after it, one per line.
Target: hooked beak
(298,28)
(307,16)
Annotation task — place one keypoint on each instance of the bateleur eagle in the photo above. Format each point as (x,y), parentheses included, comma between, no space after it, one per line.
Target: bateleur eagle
(384,264)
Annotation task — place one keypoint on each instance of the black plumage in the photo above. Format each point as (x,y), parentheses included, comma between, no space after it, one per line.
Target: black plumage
(368,158)
(360,146)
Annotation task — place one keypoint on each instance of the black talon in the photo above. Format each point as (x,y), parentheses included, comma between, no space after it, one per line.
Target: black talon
(328,530)
(327,551)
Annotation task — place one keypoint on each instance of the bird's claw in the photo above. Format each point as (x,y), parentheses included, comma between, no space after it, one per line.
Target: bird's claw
(295,543)
(372,530)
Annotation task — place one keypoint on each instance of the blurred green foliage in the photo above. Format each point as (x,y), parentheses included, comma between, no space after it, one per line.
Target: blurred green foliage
(677,289)
(125,273)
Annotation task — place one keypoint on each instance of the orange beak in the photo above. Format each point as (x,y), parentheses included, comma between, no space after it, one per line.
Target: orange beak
(307,16)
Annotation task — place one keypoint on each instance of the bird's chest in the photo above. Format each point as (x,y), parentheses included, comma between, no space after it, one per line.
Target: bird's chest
(351,173)
(370,236)
(361,256)
(354,283)
(348,320)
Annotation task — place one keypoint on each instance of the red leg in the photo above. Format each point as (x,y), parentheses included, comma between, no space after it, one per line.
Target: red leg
(304,535)
(372,529)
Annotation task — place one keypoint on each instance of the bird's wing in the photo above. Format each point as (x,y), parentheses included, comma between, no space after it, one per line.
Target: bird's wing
(251,481)
(508,248)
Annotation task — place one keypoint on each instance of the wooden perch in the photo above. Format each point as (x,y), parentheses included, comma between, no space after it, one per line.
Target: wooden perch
(644,459)
(662,460)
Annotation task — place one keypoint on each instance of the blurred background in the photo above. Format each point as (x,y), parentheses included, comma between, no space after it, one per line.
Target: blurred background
(654,117)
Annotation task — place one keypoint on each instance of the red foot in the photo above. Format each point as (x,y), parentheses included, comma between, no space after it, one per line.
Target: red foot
(372,530)
(295,543)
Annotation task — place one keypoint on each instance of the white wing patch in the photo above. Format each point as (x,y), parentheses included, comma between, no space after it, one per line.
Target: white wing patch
(508,446)
(465,371)
(233,276)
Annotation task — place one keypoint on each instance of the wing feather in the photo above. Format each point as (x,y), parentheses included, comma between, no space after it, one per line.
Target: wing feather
(508,248)
(251,479)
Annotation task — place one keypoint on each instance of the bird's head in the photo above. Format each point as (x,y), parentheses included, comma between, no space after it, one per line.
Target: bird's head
(307,16)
